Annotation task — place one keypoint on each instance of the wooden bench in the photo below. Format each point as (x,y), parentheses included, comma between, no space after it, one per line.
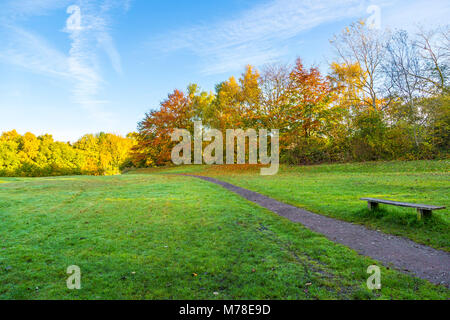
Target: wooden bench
(423,210)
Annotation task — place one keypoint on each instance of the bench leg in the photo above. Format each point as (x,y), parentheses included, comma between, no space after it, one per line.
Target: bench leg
(372,205)
(423,213)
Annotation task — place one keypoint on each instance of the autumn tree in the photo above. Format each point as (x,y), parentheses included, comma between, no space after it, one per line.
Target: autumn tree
(32,156)
(275,102)
(434,47)
(364,47)
(237,103)
(405,79)
(154,143)
(310,97)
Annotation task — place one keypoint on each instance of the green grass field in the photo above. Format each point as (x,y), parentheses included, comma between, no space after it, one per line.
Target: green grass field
(335,190)
(153,235)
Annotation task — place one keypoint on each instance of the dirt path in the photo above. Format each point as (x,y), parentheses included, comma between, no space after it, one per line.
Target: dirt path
(399,253)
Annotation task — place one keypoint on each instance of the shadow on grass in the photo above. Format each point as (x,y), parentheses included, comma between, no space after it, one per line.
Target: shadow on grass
(402,218)
(434,227)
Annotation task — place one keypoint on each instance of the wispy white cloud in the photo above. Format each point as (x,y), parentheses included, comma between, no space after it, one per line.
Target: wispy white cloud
(257,35)
(83,55)
(16,9)
(81,64)
(406,14)
(85,26)
(266,32)
(42,58)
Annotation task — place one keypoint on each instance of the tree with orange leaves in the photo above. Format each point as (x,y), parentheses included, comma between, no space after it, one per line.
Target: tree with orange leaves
(310,97)
(154,143)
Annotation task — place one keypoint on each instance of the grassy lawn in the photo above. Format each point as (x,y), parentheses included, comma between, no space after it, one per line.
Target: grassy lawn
(335,190)
(161,236)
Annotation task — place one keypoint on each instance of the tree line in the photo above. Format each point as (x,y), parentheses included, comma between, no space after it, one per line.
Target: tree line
(30,156)
(386,97)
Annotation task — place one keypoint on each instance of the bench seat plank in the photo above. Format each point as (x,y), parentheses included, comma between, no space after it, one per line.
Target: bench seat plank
(404,204)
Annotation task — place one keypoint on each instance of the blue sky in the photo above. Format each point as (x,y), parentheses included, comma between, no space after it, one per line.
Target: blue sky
(127,55)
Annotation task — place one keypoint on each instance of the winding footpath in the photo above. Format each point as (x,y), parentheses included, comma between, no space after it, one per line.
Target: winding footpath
(402,254)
